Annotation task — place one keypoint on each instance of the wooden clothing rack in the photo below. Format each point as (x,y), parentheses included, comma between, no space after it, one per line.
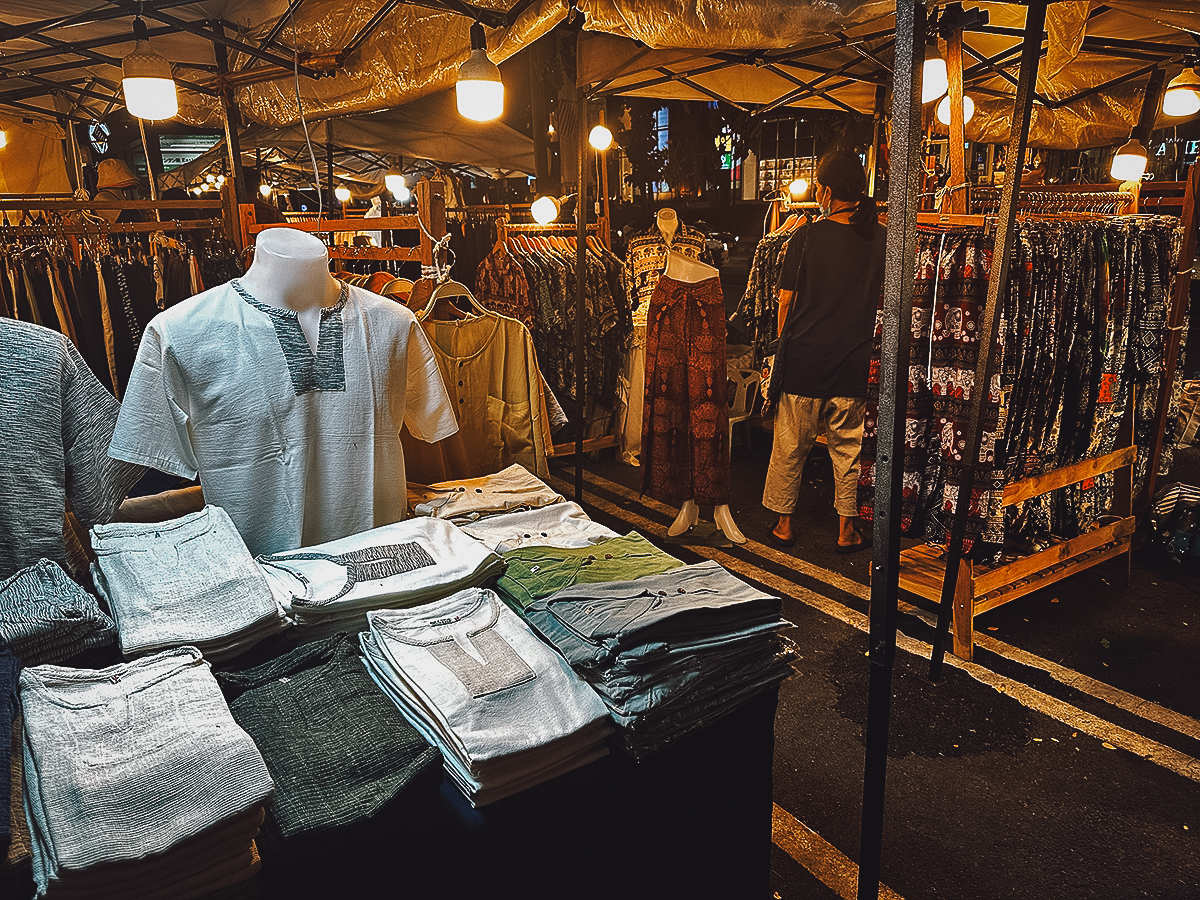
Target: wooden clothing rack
(979,588)
(429,222)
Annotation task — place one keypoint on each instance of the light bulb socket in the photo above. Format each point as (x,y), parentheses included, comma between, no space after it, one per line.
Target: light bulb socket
(139,29)
(478,38)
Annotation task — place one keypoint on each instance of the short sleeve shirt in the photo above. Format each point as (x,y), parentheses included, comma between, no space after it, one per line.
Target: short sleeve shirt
(56,421)
(299,448)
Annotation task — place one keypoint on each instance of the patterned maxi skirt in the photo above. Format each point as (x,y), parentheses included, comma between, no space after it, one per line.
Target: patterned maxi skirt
(685,420)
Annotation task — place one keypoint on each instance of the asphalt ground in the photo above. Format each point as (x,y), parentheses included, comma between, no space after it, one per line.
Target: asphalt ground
(1063,762)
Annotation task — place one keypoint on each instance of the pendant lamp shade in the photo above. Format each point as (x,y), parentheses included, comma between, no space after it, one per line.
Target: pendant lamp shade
(1182,97)
(479,90)
(146,80)
(935,80)
(1129,164)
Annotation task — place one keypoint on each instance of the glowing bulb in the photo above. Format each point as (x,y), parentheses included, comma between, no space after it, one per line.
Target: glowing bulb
(403,195)
(342,193)
(210,178)
(1129,163)
(394,182)
(934,79)
(265,190)
(3,139)
(600,138)
(1182,97)
(545,210)
(943,110)
(197,190)
(479,90)
(220,179)
(798,188)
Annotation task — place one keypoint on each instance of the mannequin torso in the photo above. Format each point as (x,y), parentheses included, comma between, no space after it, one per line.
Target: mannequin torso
(685,269)
(291,271)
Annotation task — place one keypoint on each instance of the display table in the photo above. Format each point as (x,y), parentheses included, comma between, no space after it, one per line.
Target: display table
(692,821)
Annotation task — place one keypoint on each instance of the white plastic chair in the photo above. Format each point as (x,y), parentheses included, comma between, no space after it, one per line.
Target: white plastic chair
(742,406)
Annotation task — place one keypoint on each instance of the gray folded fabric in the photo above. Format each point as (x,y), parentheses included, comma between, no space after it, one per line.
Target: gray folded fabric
(46,617)
(128,761)
(186,581)
(338,749)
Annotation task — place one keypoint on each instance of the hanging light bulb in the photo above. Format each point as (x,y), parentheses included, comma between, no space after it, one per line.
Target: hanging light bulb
(265,190)
(342,193)
(479,90)
(3,140)
(403,195)
(210,178)
(600,138)
(798,188)
(146,80)
(197,190)
(1129,163)
(545,210)
(934,79)
(220,179)
(394,182)
(1182,97)
(943,110)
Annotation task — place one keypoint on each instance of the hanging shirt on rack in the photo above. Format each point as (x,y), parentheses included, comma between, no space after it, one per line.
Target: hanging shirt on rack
(213,394)
(646,257)
(491,372)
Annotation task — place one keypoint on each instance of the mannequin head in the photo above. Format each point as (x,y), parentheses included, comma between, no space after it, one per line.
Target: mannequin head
(668,223)
(291,270)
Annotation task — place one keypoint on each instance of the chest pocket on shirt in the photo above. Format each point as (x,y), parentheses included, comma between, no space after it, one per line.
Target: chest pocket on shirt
(508,433)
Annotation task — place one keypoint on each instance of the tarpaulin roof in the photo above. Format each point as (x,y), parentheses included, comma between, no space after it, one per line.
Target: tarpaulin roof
(831,53)
(1095,64)
(366,145)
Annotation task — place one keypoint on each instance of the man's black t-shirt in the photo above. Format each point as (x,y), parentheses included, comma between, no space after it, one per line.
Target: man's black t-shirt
(829,330)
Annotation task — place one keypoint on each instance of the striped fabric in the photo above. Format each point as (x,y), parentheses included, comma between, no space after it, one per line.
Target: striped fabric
(48,618)
(56,421)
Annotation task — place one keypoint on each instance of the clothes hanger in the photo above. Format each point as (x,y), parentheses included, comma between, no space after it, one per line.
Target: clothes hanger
(445,291)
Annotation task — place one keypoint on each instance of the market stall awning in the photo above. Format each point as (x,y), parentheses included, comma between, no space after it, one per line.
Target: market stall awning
(1095,64)
(365,146)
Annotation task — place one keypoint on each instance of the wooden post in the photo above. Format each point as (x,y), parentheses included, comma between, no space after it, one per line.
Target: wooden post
(431,208)
(230,120)
(955,202)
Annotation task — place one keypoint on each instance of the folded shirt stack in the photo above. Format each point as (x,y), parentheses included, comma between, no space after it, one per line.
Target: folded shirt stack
(331,586)
(138,782)
(339,751)
(47,618)
(667,653)
(467,499)
(533,572)
(562,524)
(184,582)
(506,711)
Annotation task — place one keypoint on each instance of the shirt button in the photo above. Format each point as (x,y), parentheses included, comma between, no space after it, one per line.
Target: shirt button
(529,535)
(460,384)
(662,593)
(682,591)
(460,399)
(608,556)
(479,490)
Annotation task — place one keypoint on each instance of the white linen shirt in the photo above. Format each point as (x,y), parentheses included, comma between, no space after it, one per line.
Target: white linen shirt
(212,395)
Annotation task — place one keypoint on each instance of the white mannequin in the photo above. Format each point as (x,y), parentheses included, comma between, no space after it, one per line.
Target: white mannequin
(684,268)
(291,271)
(668,224)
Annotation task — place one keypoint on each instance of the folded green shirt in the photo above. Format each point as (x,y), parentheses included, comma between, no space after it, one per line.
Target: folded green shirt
(536,572)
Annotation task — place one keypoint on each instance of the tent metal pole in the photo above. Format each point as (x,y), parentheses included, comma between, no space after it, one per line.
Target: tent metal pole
(904,179)
(580,294)
(1031,47)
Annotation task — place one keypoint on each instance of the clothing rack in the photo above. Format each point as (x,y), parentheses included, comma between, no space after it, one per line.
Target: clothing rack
(505,230)
(600,228)
(1062,198)
(979,588)
(429,222)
